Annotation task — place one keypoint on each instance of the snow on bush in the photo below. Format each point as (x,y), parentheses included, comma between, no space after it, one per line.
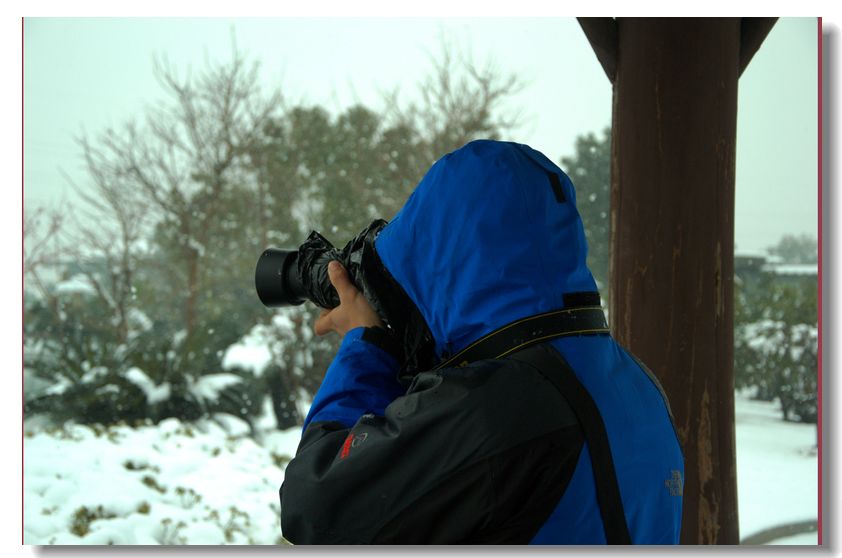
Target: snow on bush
(154,393)
(262,345)
(174,483)
(209,386)
(78,284)
(780,361)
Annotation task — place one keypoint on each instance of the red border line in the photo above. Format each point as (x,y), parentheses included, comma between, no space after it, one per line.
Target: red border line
(21,284)
(819,419)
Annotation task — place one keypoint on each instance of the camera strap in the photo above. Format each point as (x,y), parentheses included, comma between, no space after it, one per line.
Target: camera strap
(523,333)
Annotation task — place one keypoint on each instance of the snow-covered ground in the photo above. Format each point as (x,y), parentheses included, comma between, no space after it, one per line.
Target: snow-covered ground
(174,483)
(210,483)
(777,470)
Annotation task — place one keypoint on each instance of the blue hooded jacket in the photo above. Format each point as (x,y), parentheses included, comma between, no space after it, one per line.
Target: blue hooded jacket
(486,239)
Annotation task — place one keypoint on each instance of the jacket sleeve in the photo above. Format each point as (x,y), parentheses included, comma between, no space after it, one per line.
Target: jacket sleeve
(361,379)
(455,459)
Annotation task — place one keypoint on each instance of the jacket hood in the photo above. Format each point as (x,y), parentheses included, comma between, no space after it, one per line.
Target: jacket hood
(490,235)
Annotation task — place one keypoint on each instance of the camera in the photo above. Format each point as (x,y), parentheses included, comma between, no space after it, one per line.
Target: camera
(289,277)
(285,278)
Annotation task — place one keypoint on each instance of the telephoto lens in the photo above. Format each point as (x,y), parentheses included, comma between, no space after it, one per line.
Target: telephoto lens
(277,280)
(289,277)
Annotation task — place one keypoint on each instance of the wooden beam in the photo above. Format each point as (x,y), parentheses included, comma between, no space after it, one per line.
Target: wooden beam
(672,241)
(601,33)
(753,31)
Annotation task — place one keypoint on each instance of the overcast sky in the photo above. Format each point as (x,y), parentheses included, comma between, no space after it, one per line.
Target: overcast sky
(86,74)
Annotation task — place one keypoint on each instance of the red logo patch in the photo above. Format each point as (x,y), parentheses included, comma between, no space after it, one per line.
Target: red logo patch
(352,441)
(346,446)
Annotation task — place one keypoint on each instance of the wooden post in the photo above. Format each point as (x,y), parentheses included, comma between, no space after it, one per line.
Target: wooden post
(672,230)
(672,241)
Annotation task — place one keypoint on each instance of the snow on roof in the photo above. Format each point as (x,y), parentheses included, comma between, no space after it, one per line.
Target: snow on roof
(751,254)
(793,269)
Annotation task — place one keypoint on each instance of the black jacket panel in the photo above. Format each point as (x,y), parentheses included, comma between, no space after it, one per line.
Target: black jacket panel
(478,454)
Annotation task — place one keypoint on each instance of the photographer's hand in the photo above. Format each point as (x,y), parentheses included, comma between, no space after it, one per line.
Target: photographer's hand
(353,310)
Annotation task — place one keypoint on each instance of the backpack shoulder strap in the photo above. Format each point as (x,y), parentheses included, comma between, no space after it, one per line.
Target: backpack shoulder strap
(555,368)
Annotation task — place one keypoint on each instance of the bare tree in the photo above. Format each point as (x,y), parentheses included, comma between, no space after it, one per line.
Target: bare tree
(110,230)
(459,101)
(42,247)
(189,153)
